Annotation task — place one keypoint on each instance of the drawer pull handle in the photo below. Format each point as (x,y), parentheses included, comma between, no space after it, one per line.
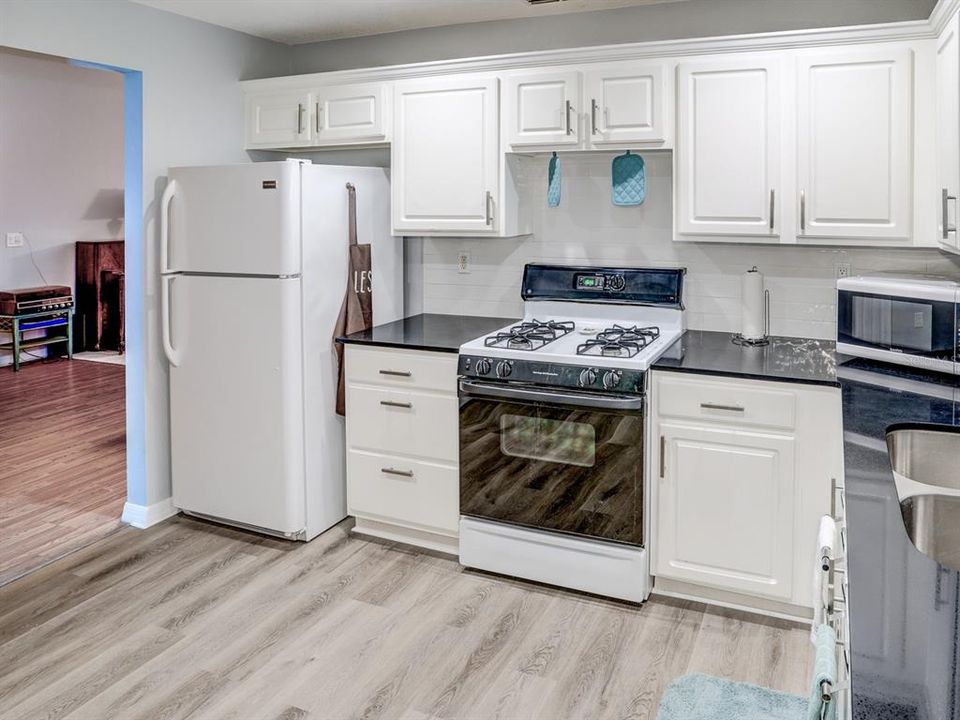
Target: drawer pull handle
(391,403)
(716,406)
(394,471)
(397,373)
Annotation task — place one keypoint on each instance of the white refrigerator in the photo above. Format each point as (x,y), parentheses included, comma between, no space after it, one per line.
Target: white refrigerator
(254,265)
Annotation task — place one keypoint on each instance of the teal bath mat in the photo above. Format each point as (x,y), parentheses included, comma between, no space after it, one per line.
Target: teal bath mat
(702,697)
(629,179)
(553,182)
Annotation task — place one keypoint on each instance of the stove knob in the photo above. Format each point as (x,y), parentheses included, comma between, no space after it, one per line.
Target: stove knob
(504,368)
(611,378)
(483,366)
(588,377)
(616,282)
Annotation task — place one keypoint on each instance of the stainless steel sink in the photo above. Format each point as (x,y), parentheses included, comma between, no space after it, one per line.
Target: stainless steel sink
(933,524)
(931,457)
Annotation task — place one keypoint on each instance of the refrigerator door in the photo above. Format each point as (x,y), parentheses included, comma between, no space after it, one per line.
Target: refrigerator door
(236,398)
(232,219)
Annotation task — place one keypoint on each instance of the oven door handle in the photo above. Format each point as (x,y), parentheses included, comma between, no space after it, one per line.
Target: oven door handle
(471,388)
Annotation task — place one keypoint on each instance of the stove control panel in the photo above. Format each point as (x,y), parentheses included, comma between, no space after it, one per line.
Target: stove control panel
(553,374)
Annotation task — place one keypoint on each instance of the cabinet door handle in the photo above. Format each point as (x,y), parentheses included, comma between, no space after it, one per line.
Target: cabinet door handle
(803,211)
(391,403)
(299,118)
(488,207)
(316,118)
(394,471)
(717,406)
(663,455)
(593,117)
(773,195)
(397,373)
(945,198)
(569,109)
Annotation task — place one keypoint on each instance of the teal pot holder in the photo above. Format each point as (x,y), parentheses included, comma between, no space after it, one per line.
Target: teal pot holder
(553,182)
(629,180)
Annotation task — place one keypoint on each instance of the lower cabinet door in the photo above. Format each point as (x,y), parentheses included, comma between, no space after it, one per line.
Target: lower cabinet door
(726,509)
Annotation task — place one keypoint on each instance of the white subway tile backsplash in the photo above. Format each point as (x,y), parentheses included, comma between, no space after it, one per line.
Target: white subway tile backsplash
(588,229)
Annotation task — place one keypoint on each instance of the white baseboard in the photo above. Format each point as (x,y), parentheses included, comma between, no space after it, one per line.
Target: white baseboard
(143,516)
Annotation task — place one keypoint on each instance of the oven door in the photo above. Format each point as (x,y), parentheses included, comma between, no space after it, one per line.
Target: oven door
(558,460)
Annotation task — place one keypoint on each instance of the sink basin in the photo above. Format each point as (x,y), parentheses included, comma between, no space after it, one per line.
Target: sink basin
(925,456)
(933,524)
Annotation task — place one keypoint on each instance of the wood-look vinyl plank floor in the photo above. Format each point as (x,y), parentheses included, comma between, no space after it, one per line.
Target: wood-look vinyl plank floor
(194,620)
(62,460)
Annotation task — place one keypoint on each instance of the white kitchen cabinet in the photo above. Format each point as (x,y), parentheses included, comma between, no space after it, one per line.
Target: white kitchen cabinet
(403,470)
(445,156)
(349,114)
(854,143)
(740,474)
(626,103)
(948,133)
(726,508)
(542,109)
(728,148)
(278,119)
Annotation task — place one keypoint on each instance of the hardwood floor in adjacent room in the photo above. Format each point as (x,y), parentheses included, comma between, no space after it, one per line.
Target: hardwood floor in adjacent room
(62,460)
(192,620)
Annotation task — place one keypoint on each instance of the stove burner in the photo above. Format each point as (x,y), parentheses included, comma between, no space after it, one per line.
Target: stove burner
(619,341)
(530,335)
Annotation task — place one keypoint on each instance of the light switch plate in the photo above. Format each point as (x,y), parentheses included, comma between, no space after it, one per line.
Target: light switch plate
(14,239)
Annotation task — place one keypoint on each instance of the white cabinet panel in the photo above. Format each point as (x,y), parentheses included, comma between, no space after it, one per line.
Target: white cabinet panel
(542,109)
(278,119)
(626,103)
(350,114)
(948,133)
(726,509)
(728,147)
(854,143)
(445,156)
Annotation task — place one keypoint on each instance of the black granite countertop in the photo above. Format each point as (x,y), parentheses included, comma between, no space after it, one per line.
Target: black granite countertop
(904,611)
(785,359)
(428,331)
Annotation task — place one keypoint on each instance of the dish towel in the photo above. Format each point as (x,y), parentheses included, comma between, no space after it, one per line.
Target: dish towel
(553,181)
(629,179)
(704,697)
(824,669)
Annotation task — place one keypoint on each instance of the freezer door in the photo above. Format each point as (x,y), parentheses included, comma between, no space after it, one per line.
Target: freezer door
(236,399)
(232,219)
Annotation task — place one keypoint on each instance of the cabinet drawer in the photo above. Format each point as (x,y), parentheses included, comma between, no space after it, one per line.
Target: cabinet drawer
(402,368)
(418,494)
(734,402)
(403,423)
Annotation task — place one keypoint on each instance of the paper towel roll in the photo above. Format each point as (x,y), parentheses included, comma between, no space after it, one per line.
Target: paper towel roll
(752,320)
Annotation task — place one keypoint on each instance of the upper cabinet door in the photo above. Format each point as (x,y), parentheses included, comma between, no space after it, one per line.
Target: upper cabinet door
(445,156)
(948,134)
(349,114)
(542,109)
(278,119)
(854,144)
(728,147)
(626,103)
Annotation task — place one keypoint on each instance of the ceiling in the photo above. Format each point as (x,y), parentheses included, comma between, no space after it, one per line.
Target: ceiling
(302,21)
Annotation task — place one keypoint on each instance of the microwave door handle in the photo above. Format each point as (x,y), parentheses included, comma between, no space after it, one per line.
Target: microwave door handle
(471,388)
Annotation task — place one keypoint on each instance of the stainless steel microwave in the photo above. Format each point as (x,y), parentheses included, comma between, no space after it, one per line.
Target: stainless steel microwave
(904,319)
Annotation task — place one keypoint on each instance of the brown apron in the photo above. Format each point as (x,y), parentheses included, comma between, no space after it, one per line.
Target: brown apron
(356,313)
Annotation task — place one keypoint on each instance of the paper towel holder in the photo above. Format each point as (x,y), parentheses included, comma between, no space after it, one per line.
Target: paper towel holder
(739,339)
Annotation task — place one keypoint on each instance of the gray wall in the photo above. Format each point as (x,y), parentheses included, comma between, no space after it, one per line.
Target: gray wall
(694,18)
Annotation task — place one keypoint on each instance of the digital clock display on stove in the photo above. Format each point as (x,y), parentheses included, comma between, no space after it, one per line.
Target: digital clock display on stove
(590,282)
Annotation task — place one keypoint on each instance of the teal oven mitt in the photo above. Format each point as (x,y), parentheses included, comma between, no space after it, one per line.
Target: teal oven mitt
(629,179)
(553,182)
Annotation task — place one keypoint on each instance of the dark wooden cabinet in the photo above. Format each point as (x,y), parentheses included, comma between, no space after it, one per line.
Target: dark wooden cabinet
(99,320)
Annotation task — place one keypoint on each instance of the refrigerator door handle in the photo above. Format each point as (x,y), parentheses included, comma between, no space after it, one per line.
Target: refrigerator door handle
(173,357)
(168,192)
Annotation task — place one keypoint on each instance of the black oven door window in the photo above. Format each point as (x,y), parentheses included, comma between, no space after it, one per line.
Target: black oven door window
(907,325)
(569,469)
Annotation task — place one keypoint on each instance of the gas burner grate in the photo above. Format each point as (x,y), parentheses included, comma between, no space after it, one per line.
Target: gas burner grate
(619,341)
(530,334)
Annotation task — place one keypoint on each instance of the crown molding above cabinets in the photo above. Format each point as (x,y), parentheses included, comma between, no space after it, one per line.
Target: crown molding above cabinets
(816,137)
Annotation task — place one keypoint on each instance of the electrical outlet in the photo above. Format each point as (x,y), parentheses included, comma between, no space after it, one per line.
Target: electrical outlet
(463,262)
(843,269)
(14,239)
